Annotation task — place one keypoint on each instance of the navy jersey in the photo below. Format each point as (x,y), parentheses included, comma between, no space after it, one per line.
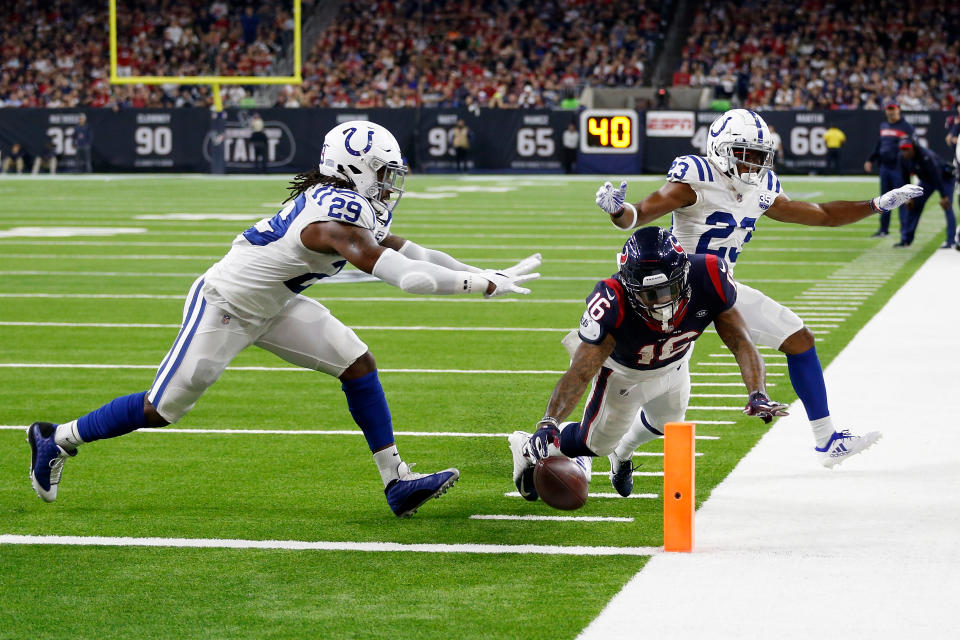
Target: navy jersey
(930,168)
(639,346)
(887,151)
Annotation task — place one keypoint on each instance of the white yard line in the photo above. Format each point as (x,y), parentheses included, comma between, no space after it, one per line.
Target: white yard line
(786,549)
(305,545)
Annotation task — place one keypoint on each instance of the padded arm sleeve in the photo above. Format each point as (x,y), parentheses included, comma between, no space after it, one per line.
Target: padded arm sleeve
(419,276)
(415,252)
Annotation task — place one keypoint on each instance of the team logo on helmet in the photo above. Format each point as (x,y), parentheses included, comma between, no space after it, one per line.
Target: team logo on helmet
(351,150)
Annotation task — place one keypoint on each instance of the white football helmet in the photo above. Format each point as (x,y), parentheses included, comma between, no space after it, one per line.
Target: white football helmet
(368,156)
(739,144)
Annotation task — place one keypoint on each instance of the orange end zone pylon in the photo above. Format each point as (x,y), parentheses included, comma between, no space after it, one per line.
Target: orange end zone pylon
(678,486)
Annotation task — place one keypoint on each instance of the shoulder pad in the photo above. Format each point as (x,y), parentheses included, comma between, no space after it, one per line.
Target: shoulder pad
(690,170)
(343,205)
(773,182)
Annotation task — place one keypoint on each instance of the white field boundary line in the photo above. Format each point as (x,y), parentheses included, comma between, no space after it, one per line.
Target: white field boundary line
(304,545)
(531,518)
(319,432)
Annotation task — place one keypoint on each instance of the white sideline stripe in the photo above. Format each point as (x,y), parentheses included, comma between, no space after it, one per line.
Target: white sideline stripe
(642,496)
(478,516)
(724,373)
(304,545)
(730,355)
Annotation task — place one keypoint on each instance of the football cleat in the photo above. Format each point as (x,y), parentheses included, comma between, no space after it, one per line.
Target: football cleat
(586,464)
(523,461)
(410,490)
(46,459)
(843,444)
(621,475)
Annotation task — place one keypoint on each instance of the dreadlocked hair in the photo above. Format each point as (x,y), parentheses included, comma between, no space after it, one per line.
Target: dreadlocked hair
(303,181)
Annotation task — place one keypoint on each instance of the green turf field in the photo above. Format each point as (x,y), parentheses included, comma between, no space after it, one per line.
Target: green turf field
(85,300)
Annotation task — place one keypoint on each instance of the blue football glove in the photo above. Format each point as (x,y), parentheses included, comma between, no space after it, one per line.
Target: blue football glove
(542,438)
(611,199)
(763,407)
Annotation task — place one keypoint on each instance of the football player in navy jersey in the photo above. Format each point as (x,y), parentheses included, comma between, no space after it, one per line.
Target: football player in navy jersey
(634,347)
(716,202)
(338,213)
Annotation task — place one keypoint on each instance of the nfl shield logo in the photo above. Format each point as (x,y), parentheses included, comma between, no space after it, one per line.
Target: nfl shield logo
(739,197)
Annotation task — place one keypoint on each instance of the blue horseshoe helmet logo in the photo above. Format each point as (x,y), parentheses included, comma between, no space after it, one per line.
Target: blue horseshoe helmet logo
(350,150)
(720,130)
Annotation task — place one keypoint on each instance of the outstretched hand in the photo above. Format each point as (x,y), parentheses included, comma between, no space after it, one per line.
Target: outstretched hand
(899,196)
(762,407)
(610,198)
(506,280)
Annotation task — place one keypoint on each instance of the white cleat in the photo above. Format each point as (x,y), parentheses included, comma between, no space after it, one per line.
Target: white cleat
(523,462)
(843,444)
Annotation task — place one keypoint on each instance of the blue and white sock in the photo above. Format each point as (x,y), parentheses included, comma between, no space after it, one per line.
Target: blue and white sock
(116,418)
(368,406)
(806,376)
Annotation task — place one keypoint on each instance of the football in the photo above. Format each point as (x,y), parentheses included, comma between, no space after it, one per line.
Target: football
(560,482)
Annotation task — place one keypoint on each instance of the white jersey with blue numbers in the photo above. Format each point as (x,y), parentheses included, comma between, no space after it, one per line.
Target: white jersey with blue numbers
(268,264)
(725,214)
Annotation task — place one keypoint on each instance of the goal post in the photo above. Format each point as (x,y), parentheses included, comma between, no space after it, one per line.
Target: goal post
(213,81)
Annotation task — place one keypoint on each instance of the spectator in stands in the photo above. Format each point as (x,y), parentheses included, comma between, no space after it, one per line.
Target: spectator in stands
(834,139)
(16,157)
(461,144)
(83,139)
(46,158)
(935,175)
(571,141)
(887,154)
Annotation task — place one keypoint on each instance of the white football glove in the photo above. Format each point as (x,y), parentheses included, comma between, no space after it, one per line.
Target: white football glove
(526,265)
(893,199)
(611,199)
(505,283)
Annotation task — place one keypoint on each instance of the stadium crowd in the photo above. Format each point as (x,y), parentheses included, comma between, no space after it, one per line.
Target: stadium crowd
(55,53)
(817,54)
(488,53)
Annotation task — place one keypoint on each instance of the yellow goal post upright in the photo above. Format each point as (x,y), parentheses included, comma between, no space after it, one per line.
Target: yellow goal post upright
(213,81)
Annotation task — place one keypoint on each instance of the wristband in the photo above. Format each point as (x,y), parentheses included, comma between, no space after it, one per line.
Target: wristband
(633,210)
(550,421)
(875,207)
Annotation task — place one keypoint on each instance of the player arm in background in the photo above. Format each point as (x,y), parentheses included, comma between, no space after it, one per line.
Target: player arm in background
(586,362)
(838,212)
(414,251)
(359,248)
(670,196)
(732,329)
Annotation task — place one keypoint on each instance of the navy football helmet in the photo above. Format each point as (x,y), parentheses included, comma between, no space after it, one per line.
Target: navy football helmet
(653,269)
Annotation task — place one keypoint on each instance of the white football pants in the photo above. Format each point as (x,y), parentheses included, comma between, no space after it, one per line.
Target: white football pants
(304,333)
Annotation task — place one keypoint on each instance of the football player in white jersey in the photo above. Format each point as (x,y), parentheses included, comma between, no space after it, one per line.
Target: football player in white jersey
(338,213)
(716,201)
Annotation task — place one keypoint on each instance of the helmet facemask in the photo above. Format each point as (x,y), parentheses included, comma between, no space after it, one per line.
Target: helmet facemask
(750,162)
(390,179)
(659,298)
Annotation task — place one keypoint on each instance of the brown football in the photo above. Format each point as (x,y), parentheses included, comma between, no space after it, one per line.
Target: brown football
(560,482)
